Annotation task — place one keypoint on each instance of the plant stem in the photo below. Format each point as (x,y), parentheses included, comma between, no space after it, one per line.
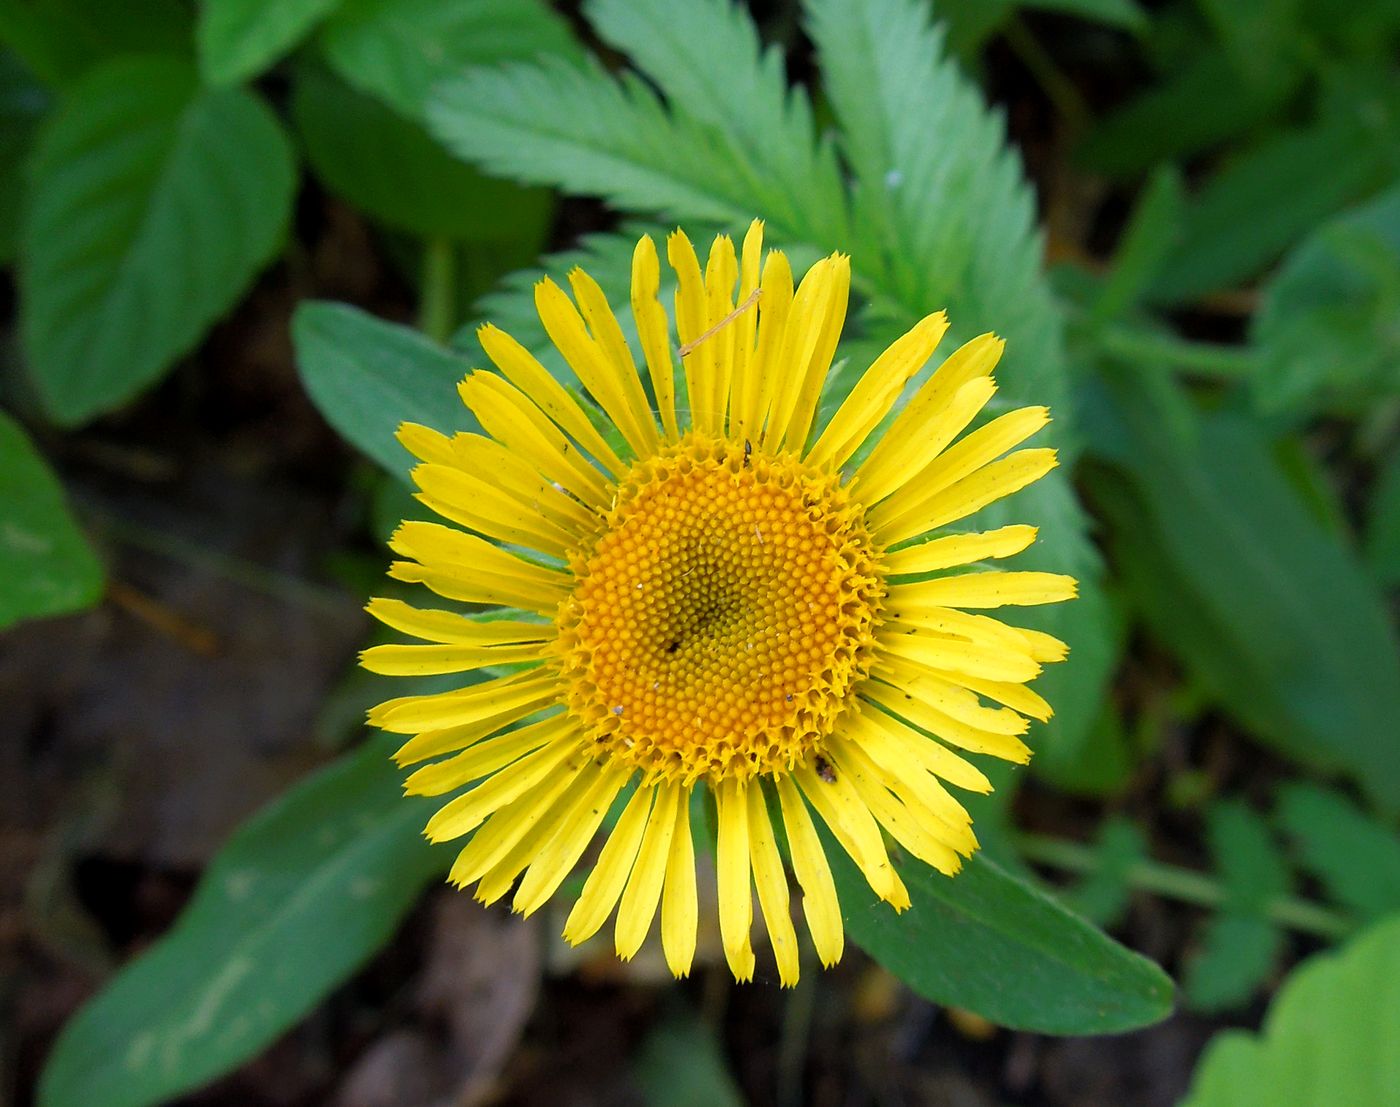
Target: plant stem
(437,309)
(1229,363)
(1186,885)
(1061,91)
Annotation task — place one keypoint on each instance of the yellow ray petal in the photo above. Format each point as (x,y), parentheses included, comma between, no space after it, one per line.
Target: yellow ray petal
(801,337)
(573,834)
(655,332)
(942,651)
(475,453)
(954,550)
(771,882)
(853,825)
(984,445)
(941,724)
(989,589)
(914,684)
(445,710)
(712,351)
(490,510)
(399,660)
(755,393)
(876,392)
(498,836)
(610,874)
(679,906)
(466,812)
(643,891)
(745,329)
(992,482)
(485,757)
(524,371)
(904,751)
(1016,696)
(450,627)
(819,903)
(905,447)
(732,866)
(690,312)
(424,443)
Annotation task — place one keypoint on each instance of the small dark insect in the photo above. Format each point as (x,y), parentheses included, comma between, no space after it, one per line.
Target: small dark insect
(824,770)
(748,452)
(673,646)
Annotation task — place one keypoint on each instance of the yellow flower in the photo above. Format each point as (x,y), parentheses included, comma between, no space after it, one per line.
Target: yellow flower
(710,600)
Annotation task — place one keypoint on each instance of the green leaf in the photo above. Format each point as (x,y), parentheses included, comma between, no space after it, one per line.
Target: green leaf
(46,565)
(1102,897)
(154,204)
(1383,525)
(1328,330)
(393,169)
(1355,858)
(397,50)
(991,943)
(22,105)
(297,900)
(1256,598)
(1262,38)
(367,376)
(238,39)
(60,40)
(1150,234)
(1241,945)
(681,1064)
(1328,1039)
(1126,14)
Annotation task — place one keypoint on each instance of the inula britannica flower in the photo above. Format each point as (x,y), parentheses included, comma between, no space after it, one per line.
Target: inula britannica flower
(700,591)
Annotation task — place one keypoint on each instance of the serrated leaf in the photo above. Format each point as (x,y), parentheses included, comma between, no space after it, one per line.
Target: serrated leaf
(154,204)
(391,168)
(1328,1039)
(238,39)
(60,40)
(398,50)
(1102,897)
(22,104)
(300,896)
(1328,330)
(46,565)
(1251,869)
(367,376)
(1354,857)
(1255,597)
(991,943)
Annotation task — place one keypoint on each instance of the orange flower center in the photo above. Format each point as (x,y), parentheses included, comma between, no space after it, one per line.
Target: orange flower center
(724,614)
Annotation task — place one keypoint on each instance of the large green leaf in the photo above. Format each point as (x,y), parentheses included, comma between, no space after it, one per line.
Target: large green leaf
(368,376)
(295,902)
(399,49)
(388,166)
(46,566)
(1354,857)
(1328,331)
(1254,595)
(1328,1040)
(238,39)
(154,204)
(60,40)
(994,944)
(22,104)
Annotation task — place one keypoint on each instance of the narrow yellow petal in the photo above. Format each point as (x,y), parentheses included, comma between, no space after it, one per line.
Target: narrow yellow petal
(555,859)
(511,418)
(941,651)
(587,357)
(983,446)
(609,875)
(466,812)
(1045,648)
(876,392)
(453,583)
(991,589)
(690,310)
(488,509)
(399,660)
(1016,696)
(801,337)
(679,905)
(757,389)
(434,743)
(904,751)
(445,710)
(486,757)
(853,825)
(819,903)
(524,371)
(450,627)
(655,332)
(745,328)
(814,373)
(953,550)
(475,453)
(424,443)
(915,686)
(949,728)
(732,866)
(889,478)
(990,483)
(607,333)
(496,839)
(643,891)
(771,882)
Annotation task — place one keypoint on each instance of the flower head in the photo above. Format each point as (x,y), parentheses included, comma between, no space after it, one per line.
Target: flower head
(714,597)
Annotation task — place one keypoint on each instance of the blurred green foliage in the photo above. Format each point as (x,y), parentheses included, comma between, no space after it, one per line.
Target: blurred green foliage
(1246,491)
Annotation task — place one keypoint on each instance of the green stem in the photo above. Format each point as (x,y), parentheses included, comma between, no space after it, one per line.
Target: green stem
(437,308)
(1186,885)
(1229,363)
(1062,92)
